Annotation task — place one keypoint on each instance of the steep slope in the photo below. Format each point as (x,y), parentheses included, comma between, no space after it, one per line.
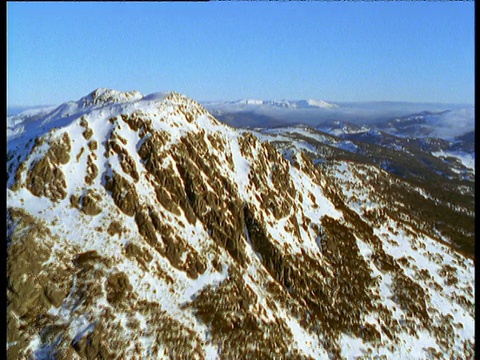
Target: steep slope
(141,227)
(448,184)
(397,135)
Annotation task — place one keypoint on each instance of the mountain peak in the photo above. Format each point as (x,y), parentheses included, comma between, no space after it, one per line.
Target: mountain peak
(109,101)
(105,95)
(321,104)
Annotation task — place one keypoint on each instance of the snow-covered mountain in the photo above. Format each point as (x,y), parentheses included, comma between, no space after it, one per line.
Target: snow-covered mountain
(445,124)
(401,119)
(142,227)
(245,104)
(254,112)
(423,134)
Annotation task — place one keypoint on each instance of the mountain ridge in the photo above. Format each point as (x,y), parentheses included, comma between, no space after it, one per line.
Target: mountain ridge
(286,104)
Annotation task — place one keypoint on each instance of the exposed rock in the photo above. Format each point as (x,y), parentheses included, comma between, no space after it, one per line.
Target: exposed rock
(88,133)
(115,228)
(88,202)
(228,318)
(59,151)
(126,161)
(206,205)
(45,177)
(75,201)
(117,287)
(91,257)
(123,193)
(93,145)
(82,150)
(92,171)
(32,288)
(138,253)
(128,166)
(83,122)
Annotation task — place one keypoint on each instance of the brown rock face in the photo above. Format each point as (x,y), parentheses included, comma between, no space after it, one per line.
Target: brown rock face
(114,228)
(114,145)
(278,199)
(118,287)
(93,145)
(30,291)
(92,170)
(220,210)
(87,134)
(139,254)
(123,193)
(170,245)
(59,151)
(88,202)
(225,310)
(46,178)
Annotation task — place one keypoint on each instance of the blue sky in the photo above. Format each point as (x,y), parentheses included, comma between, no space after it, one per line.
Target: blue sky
(337,51)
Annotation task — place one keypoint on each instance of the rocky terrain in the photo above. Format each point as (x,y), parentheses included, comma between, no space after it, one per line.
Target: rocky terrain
(140,227)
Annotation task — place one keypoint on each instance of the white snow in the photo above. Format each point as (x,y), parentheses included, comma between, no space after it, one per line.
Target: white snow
(467,159)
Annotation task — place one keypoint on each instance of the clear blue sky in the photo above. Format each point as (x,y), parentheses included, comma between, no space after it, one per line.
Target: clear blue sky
(337,51)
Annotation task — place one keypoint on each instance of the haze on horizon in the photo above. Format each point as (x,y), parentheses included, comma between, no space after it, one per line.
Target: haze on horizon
(420,52)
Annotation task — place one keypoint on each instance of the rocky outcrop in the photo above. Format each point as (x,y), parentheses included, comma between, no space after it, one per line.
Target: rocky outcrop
(225,309)
(123,193)
(88,202)
(45,177)
(31,291)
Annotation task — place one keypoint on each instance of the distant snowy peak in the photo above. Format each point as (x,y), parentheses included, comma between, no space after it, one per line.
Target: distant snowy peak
(321,104)
(249,102)
(282,104)
(302,104)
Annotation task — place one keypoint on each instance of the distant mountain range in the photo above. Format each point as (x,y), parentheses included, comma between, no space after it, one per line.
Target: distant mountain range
(412,119)
(282,104)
